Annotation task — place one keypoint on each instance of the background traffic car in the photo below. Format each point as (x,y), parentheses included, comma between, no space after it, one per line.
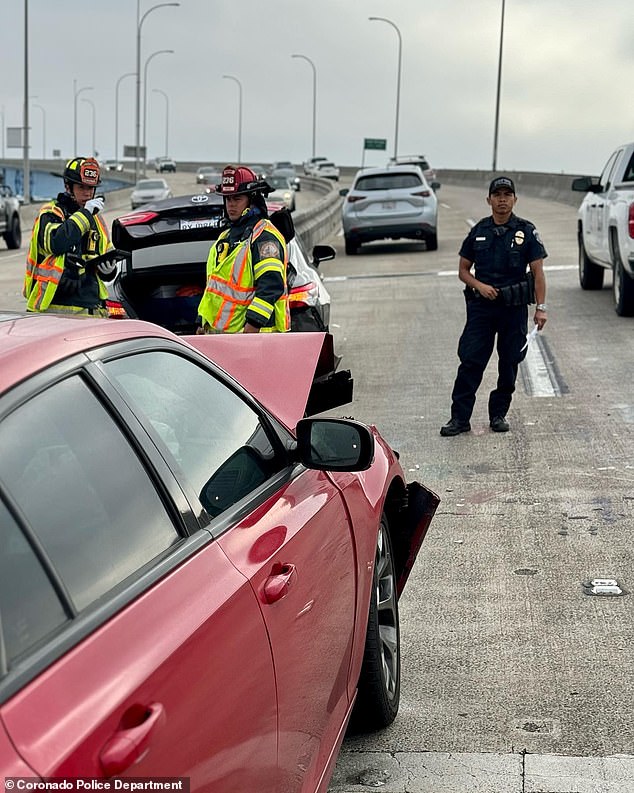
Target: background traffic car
(286,168)
(163,277)
(148,190)
(10,222)
(113,165)
(164,164)
(283,191)
(325,169)
(208,174)
(389,203)
(310,164)
(177,591)
(422,162)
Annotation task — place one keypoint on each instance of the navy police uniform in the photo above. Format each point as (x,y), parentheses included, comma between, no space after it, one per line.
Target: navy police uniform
(501,255)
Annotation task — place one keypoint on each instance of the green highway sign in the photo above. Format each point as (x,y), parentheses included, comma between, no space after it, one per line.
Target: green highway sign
(375,143)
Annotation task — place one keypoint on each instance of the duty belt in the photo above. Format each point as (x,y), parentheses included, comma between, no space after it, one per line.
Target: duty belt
(519,294)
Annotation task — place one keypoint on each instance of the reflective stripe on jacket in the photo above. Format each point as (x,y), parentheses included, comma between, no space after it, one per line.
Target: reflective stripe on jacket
(231,288)
(45,269)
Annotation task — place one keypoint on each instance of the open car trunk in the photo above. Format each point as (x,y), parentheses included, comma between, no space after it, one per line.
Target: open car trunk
(165,284)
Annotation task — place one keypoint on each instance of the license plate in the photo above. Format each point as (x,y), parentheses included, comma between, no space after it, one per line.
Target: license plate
(389,205)
(199,223)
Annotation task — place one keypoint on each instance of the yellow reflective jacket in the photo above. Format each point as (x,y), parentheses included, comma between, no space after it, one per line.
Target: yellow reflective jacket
(45,269)
(232,297)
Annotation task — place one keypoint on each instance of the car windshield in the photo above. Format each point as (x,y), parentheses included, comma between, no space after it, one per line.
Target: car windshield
(387,181)
(278,182)
(151,184)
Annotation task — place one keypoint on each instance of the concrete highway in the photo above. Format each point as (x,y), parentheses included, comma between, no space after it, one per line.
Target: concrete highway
(515,678)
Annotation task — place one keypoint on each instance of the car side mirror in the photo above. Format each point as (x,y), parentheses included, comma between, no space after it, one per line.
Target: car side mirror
(344,191)
(435,186)
(585,184)
(334,444)
(323,253)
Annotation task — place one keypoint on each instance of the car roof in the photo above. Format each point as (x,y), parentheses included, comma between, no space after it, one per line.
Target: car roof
(22,354)
(388,170)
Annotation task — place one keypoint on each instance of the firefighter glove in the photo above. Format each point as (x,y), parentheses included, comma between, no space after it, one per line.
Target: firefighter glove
(94,205)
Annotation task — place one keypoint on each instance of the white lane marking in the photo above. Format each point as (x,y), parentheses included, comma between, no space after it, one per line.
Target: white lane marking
(537,373)
(438,273)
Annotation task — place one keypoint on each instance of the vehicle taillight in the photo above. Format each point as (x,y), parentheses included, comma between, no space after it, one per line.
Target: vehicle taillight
(136,218)
(352,198)
(630,221)
(423,193)
(115,310)
(302,295)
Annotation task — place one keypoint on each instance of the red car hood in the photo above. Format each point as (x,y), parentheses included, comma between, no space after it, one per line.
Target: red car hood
(291,374)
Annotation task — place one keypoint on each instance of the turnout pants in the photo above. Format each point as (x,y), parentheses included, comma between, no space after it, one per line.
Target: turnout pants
(485,320)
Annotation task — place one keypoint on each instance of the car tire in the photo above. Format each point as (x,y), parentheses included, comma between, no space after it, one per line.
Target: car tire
(622,288)
(590,274)
(351,246)
(379,687)
(13,236)
(431,240)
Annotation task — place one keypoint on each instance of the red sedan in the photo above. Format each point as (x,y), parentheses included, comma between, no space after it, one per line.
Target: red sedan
(196,579)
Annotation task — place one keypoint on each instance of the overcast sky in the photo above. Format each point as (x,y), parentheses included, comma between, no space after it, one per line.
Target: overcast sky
(566,98)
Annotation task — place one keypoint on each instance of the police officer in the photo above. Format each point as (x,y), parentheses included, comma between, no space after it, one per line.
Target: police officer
(246,290)
(507,256)
(67,235)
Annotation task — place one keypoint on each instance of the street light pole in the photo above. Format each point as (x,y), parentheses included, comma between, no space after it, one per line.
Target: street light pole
(314,68)
(43,129)
(140,19)
(497,98)
(94,125)
(116,113)
(167,115)
(153,55)
(235,79)
(398,79)
(85,88)
(26,187)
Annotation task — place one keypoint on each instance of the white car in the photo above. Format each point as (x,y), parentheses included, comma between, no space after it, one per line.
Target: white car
(326,170)
(113,165)
(283,191)
(147,191)
(311,164)
(162,164)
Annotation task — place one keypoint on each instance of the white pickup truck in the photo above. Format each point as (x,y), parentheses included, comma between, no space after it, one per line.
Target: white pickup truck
(605,228)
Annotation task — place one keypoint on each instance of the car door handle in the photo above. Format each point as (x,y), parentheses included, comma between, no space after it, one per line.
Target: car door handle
(128,745)
(279,582)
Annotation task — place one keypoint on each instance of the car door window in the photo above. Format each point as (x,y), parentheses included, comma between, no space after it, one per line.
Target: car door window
(29,606)
(82,489)
(215,437)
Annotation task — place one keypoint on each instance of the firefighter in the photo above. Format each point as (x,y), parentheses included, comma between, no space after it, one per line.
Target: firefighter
(246,290)
(67,235)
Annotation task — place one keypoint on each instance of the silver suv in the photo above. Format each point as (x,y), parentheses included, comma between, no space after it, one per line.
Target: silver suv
(389,203)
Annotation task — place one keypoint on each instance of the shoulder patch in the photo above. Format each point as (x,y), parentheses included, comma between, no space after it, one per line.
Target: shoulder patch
(269,250)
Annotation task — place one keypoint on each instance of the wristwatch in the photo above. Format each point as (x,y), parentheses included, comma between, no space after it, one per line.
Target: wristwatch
(541,307)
